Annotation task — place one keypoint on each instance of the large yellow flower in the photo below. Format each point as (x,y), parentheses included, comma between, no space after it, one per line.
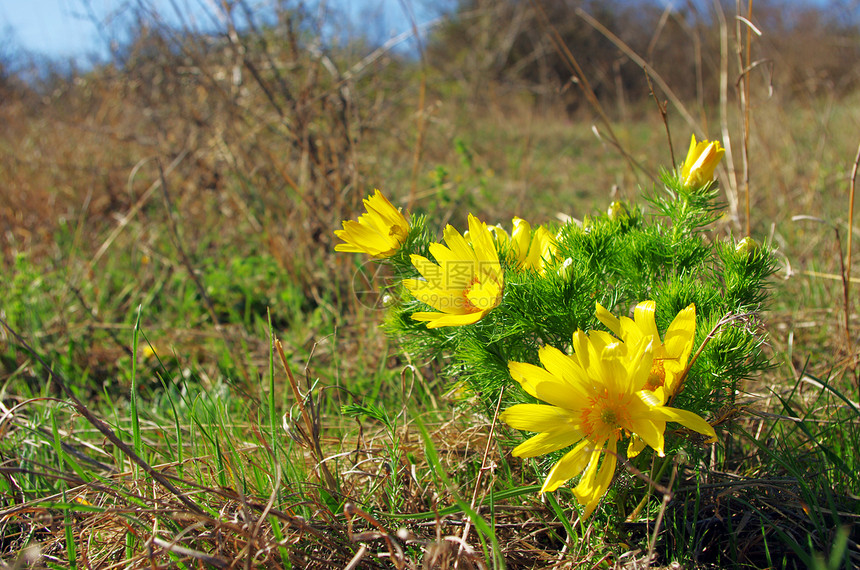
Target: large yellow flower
(465,284)
(596,398)
(380,232)
(702,160)
(670,355)
(531,249)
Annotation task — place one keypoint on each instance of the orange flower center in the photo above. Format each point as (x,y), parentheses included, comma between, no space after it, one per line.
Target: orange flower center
(605,413)
(467,303)
(398,233)
(657,376)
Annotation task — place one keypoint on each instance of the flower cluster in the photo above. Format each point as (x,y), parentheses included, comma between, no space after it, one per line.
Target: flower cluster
(608,380)
(602,393)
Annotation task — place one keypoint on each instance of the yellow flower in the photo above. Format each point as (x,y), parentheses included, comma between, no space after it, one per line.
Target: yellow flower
(530,249)
(380,232)
(702,160)
(596,397)
(670,355)
(465,285)
(617,211)
(746,246)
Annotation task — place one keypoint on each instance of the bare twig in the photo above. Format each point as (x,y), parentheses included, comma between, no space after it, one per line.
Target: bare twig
(662,107)
(850,236)
(395,551)
(731,178)
(310,437)
(646,67)
(744,55)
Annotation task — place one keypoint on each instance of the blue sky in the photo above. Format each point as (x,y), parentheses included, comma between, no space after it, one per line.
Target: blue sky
(65,29)
(59,29)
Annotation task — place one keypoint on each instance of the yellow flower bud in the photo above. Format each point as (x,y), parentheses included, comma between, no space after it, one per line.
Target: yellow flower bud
(702,160)
(746,246)
(617,211)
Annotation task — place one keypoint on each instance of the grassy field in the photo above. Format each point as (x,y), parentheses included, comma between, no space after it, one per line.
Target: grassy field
(191,377)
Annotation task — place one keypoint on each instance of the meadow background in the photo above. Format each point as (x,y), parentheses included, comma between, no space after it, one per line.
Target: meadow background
(190,377)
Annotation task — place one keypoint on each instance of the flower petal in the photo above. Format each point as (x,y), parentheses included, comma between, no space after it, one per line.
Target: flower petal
(570,465)
(564,368)
(482,242)
(649,427)
(436,320)
(609,320)
(547,442)
(521,239)
(643,316)
(544,386)
(392,217)
(679,336)
(484,296)
(592,487)
(689,420)
(537,417)
(635,447)
(363,239)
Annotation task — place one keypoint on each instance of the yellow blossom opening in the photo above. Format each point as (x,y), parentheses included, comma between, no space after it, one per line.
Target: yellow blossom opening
(702,160)
(670,355)
(529,249)
(596,398)
(380,232)
(465,284)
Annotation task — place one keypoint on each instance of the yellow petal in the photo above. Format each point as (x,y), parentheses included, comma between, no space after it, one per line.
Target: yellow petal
(547,442)
(545,386)
(431,272)
(446,300)
(570,465)
(484,296)
(601,482)
(639,364)
(679,337)
(702,159)
(537,417)
(364,238)
(635,447)
(609,369)
(460,251)
(564,368)
(380,231)
(392,216)
(436,320)
(521,239)
(482,241)
(688,420)
(609,320)
(650,428)
(500,234)
(643,315)
(580,349)
(650,398)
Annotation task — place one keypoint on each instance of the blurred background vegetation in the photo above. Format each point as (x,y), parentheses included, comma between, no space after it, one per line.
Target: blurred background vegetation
(194,179)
